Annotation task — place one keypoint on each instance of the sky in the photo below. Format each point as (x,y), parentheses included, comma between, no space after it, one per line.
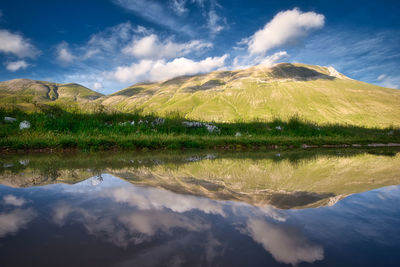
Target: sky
(107,45)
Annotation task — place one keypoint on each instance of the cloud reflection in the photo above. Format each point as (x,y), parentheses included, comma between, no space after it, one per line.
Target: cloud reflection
(12,222)
(286,244)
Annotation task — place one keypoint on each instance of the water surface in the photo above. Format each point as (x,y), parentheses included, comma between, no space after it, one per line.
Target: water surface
(323,208)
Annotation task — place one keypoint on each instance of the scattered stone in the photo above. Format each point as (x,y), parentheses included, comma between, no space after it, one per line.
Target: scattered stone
(8,165)
(195,124)
(211,128)
(10,119)
(238,134)
(210,156)
(24,125)
(158,121)
(24,162)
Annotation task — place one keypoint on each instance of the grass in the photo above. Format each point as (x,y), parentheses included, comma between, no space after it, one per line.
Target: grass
(58,129)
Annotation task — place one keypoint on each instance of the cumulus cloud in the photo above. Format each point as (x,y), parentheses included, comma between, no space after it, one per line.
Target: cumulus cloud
(13,200)
(150,47)
(286,245)
(13,221)
(16,44)
(155,70)
(286,27)
(64,54)
(247,61)
(16,65)
(269,61)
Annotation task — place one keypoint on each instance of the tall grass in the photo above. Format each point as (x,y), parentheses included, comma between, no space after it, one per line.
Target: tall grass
(100,131)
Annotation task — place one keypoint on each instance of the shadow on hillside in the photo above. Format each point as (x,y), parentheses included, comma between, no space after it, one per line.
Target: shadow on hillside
(298,73)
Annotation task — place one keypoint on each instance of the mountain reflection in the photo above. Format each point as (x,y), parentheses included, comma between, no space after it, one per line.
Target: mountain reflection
(132,215)
(180,210)
(293,180)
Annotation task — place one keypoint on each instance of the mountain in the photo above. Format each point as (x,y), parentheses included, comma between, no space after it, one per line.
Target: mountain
(314,93)
(25,93)
(318,94)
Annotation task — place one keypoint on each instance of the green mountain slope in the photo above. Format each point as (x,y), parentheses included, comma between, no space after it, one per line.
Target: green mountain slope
(314,93)
(25,94)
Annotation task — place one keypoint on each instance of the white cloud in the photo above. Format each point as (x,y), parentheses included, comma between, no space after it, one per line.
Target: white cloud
(13,221)
(13,200)
(179,6)
(388,81)
(154,12)
(111,38)
(17,65)
(269,61)
(97,86)
(286,27)
(150,47)
(381,77)
(285,244)
(215,23)
(247,61)
(16,44)
(155,70)
(64,55)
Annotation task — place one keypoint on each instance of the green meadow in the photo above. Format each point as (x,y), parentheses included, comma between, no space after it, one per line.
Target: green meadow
(58,129)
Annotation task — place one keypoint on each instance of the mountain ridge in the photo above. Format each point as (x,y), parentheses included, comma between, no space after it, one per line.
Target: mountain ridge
(316,94)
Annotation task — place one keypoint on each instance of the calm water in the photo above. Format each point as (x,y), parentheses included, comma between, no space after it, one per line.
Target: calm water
(324,208)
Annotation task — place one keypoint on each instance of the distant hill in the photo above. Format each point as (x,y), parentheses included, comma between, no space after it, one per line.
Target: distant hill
(313,93)
(318,94)
(26,94)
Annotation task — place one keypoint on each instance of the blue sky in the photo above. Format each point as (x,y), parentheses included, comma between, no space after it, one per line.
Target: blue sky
(107,45)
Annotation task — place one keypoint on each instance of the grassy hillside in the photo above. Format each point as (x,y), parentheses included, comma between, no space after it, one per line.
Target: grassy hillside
(30,95)
(316,94)
(293,179)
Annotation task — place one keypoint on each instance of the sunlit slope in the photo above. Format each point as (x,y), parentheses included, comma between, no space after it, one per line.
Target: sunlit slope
(25,93)
(317,94)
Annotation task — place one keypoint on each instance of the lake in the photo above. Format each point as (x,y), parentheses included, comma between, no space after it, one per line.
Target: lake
(213,208)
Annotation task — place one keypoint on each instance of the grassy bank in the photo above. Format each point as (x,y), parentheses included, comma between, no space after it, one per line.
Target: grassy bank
(103,131)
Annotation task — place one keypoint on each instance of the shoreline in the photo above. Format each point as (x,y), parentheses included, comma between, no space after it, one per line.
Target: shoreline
(234,148)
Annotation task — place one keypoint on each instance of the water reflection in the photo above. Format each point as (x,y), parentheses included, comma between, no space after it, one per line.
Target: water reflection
(207,211)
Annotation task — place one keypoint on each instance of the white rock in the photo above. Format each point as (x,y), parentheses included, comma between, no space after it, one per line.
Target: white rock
(24,162)
(9,119)
(279,128)
(8,165)
(132,122)
(158,121)
(24,125)
(238,134)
